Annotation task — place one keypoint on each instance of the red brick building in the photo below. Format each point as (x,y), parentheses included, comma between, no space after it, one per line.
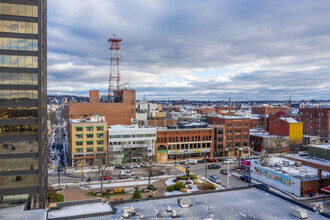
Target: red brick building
(266,110)
(218,140)
(316,121)
(184,143)
(115,112)
(237,137)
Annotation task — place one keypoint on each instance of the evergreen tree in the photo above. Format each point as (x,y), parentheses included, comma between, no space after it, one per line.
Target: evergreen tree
(137,194)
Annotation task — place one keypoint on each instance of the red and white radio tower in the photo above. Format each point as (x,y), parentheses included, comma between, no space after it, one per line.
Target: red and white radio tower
(114,77)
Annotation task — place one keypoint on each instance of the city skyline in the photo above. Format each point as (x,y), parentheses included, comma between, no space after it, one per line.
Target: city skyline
(193,50)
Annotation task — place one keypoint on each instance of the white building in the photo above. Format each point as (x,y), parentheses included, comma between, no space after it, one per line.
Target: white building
(131,143)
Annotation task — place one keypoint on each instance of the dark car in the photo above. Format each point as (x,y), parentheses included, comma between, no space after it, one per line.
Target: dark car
(211,160)
(224,172)
(263,186)
(245,178)
(220,159)
(157,172)
(201,161)
(120,167)
(213,166)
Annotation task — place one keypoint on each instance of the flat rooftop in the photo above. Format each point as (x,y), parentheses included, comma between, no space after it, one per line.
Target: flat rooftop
(250,203)
(324,146)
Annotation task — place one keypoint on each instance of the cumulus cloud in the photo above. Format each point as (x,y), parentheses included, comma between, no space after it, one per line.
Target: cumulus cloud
(197,50)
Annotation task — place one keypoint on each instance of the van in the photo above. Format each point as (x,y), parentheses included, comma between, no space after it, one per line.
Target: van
(192,161)
(126,173)
(228,161)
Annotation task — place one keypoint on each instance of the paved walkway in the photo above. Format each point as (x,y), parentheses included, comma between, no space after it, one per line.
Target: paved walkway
(75,193)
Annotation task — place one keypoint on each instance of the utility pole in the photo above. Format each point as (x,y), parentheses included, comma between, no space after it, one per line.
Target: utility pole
(227,174)
(82,172)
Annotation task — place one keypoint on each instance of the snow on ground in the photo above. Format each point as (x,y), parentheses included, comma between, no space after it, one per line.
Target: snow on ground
(121,184)
(194,187)
(76,210)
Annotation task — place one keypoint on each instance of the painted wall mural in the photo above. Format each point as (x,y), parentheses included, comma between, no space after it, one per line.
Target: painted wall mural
(277,177)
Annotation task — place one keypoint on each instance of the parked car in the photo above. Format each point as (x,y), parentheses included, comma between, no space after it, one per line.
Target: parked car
(192,161)
(126,172)
(263,186)
(128,166)
(224,171)
(220,159)
(120,166)
(89,180)
(107,178)
(183,162)
(136,165)
(214,166)
(245,178)
(201,161)
(211,160)
(228,161)
(144,165)
(157,172)
(215,179)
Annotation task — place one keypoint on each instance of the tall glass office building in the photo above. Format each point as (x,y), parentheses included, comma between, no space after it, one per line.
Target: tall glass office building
(23,102)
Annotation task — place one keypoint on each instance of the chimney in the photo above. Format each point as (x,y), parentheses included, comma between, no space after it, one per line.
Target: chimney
(319,173)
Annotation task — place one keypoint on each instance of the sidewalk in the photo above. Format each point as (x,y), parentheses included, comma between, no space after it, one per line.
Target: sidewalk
(75,193)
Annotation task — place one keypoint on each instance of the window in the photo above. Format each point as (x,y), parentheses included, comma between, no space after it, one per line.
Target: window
(100,135)
(89,149)
(79,136)
(79,150)
(220,131)
(19,10)
(99,128)
(100,142)
(220,146)
(89,135)
(79,143)
(89,128)
(79,128)
(220,138)
(99,149)
(89,142)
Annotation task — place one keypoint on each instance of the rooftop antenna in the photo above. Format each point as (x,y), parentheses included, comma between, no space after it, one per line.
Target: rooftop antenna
(114,76)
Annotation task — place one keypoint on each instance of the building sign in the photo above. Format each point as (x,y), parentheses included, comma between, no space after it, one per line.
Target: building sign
(173,152)
(245,163)
(161,155)
(277,177)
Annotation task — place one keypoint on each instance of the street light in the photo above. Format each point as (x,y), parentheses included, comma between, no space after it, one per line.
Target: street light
(206,168)
(59,170)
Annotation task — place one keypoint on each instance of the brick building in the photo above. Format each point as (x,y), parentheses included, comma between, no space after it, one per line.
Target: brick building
(121,112)
(266,110)
(316,121)
(287,127)
(175,144)
(236,130)
(218,140)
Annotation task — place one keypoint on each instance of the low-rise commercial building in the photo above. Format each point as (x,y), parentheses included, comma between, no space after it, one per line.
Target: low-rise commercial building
(272,143)
(88,139)
(236,129)
(287,127)
(131,143)
(175,144)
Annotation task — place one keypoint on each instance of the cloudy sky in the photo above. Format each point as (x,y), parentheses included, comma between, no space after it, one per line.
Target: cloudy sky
(193,49)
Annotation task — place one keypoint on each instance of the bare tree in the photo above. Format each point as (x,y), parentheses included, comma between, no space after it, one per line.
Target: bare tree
(168,170)
(53,118)
(65,114)
(277,140)
(151,163)
(295,145)
(101,169)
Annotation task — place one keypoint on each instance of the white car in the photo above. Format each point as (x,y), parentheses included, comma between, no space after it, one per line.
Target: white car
(192,161)
(228,161)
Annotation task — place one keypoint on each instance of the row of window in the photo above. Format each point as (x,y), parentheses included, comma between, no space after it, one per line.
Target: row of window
(90,128)
(18,147)
(237,144)
(19,27)
(18,112)
(19,95)
(245,124)
(132,135)
(18,44)
(90,135)
(245,130)
(15,164)
(18,130)
(81,150)
(238,137)
(184,139)
(220,131)
(7,182)
(19,10)
(80,143)
(188,146)
(19,78)
(18,61)
(146,142)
